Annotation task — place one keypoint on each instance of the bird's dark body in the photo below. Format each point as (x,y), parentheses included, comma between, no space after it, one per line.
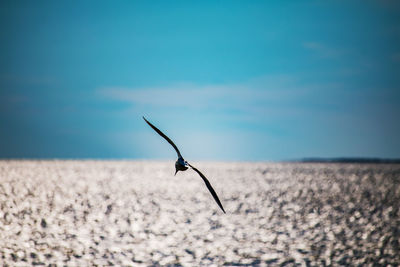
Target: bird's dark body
(183,165)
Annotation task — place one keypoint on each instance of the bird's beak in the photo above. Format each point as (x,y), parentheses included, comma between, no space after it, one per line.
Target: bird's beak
(175,172)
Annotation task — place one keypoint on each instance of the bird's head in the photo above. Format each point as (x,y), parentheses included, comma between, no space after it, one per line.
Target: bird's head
(180,165)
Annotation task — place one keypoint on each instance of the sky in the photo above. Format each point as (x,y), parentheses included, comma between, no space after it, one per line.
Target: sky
(225,80)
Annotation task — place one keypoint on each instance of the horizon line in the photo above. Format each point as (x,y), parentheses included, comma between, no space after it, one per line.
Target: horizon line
(300,160)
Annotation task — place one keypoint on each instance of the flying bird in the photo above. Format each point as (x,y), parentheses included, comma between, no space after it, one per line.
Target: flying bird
(183,165)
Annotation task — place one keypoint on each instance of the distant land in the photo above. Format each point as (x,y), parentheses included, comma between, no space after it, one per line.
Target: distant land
(349,160)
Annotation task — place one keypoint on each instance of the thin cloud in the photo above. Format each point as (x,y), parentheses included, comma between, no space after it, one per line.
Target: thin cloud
(194,96)
(322,50)
(28,79)
(276,95)
(396,57)
(260,99)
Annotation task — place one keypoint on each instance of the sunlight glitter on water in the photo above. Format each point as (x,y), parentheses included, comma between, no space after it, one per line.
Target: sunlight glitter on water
(135,213)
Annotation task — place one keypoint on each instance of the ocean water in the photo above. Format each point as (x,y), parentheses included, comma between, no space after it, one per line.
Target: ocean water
(137,213)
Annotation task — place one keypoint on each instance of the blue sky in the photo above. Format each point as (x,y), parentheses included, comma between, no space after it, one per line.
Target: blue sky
(226,80)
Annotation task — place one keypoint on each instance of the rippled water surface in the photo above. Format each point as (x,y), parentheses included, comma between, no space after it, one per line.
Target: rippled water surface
(137,213)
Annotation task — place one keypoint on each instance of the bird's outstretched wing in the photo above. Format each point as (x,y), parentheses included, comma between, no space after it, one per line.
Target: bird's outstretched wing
(209,187)
(165,137)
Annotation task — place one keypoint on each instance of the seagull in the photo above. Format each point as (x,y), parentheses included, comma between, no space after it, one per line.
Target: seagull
(183,165)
